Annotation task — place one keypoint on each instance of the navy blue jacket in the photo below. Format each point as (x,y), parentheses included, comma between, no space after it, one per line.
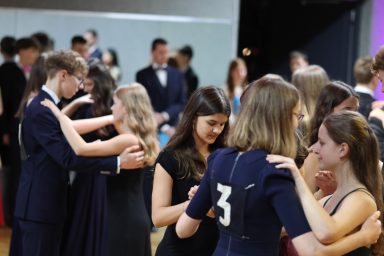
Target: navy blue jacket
(43,189)
(170,98)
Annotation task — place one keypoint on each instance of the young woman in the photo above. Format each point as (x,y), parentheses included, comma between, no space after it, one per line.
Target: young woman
(349,148)
(334,97)
(134,121)
(252,199)
(309,81)
(180,166)
(236,82)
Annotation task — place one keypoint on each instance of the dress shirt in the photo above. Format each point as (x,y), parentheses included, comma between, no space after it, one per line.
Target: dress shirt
(161,73)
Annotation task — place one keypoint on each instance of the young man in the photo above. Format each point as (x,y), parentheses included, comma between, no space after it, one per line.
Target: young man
(183,58)
(41,204)
(366,84)
(165,87)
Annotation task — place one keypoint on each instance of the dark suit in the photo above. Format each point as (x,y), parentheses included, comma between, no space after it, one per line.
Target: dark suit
(192,81)
(170,98)
(12,82)
(365,104)
(97,54)
(41,204)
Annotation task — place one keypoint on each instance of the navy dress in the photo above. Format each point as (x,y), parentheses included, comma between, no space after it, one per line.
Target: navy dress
(252,201)
(204,241)
(86,227)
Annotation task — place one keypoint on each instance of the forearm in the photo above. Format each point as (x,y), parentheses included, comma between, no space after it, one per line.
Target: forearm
(83,126)
(69,109)
(320,221)
(74,139)
(167,215)
(342,246)
(186,226)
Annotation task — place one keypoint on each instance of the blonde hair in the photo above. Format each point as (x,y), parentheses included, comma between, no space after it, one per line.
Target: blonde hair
(140,118)
(265,118)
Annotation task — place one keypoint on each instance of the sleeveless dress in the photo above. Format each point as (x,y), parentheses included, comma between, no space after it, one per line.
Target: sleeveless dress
(128,221)
(204,241)
(362,251)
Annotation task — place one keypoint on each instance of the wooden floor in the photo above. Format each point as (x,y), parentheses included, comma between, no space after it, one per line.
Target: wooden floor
(5,237)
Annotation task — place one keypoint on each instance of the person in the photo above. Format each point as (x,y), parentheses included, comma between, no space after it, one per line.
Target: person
(251,198)
(8,52)
(13,80)
(183,58)
(41,203)
(79,44)
(376,117)
(297,60)
(111,60)
(236,82)
(132,112)
(366,84)
(165,86)
(180,166)
(87,223)
(349,148)
(36,80)
(309,81)
(93,50)
(334,97)
(45,42)
(126,204)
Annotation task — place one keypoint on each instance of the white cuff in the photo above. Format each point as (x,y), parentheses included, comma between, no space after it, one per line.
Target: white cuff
(118,165)
(165,116)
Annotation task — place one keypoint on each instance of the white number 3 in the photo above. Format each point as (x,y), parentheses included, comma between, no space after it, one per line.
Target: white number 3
(225,193)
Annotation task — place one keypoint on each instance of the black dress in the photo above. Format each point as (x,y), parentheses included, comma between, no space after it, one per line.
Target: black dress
(128,221)
(204,241)
(86,227)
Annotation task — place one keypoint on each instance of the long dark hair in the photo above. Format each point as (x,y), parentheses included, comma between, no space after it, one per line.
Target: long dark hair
(331,95)
(352,128)
(204,101)
(102,93)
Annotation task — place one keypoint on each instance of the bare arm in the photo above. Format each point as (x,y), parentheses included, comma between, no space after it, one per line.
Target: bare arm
(110,147)
(186,226)
(163,213)
(328,228)
(75,104)
(83,126)
(307,244)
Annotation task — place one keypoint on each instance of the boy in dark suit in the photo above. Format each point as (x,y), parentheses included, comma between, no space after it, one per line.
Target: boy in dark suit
(41,204)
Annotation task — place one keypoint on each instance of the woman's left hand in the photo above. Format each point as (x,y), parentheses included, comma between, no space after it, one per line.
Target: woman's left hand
(49,104)
(284,163)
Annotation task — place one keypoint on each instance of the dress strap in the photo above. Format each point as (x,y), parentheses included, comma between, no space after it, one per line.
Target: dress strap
(342,199)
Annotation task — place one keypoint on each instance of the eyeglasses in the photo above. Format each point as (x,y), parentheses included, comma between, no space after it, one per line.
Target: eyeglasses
(81,80)
(299,116)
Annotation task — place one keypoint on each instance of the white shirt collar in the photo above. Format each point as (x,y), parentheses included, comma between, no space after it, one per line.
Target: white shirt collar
(51,93)
(363,89)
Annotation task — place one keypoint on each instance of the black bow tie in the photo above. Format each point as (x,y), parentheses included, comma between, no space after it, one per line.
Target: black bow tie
(160,67)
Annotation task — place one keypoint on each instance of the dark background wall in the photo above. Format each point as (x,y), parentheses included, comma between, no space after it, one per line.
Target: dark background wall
(325,30)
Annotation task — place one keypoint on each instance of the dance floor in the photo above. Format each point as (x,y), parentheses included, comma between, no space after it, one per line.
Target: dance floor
(5,237)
